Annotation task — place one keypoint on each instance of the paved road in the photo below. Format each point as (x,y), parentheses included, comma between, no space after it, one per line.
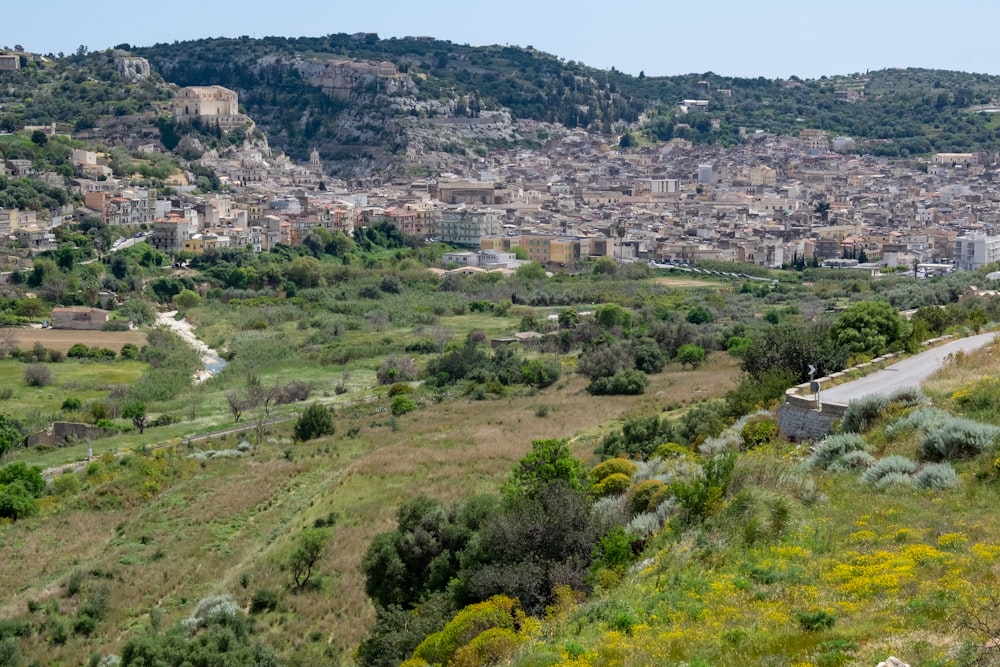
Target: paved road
(907,373)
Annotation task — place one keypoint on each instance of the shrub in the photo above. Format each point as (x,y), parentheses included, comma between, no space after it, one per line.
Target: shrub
(862,411)
(497,612)
(956,438)
(894,479)
(293,392)
(401,405)
(79,351)
(263,600)
(759,514)
(641,493)
(541,373)
(812,621)
(659,497)
(613,485)
(670,450)
(37,375)
(833,448)
(649,358)
(611,467)
(70,404)
(395,368)
(758,431)
(888,465)
(16,502)
(643,526)
(399,389)
(691,354)
(129,351)
(937,476)
(625,383)
(315,422)
(856,460)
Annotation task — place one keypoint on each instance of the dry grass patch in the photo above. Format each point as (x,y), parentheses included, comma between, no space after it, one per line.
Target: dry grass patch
(228,526)
(964,369)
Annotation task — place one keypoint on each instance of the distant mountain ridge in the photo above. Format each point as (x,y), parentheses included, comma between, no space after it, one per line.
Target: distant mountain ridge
(370,104)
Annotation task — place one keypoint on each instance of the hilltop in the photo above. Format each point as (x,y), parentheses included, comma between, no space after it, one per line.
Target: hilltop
(373,105)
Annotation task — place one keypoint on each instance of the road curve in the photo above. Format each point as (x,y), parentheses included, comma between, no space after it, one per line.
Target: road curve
(908,373)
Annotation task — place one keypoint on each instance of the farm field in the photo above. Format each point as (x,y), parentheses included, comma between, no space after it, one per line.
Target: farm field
(63,339)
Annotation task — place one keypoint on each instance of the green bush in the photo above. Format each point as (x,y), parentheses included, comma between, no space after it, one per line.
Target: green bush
(315,422)
(612,485)
(497,612)
(78,351)
(611,467)
(16,502)
(263,600)
(70,405)
(129,351)
(402,405)
(623,383)
(758,431)
(641,493)
(813,621)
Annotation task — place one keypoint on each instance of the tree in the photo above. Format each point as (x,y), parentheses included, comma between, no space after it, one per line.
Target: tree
(869,328)
(612,315)
(237,404)
(309,547)
(16,502)
(10,435)
(30,477)
(531,271)
(605,266)
(691,354)
(186,299)
(136,411)
(306,272)
(569,318)
(315,422)
(548,461)
(700,315)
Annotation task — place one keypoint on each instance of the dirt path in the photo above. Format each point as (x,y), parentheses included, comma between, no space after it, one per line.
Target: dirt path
(210,358)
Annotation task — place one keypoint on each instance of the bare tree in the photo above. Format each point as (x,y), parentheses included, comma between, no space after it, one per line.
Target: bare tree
(8,341)
(237,404)
(981,620)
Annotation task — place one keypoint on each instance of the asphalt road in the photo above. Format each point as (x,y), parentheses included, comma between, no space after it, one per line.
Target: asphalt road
(907,373)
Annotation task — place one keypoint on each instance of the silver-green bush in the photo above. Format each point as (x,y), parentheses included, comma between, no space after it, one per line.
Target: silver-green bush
(888,466)
(957,438)
(860,412)
(938,476)
(894,479)
(831,449)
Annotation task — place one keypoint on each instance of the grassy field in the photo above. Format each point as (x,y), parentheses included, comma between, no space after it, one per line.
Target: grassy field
(63,339)
(181,531)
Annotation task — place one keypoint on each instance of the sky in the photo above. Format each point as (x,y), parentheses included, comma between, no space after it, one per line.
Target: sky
(770,38)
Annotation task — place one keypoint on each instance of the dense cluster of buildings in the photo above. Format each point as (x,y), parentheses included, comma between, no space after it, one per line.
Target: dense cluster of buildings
(770,201)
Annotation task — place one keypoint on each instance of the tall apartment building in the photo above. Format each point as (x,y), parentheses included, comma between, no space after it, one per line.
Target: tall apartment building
(466,226)
(974,250)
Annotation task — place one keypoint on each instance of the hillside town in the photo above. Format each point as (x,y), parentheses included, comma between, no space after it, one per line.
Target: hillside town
(771,201)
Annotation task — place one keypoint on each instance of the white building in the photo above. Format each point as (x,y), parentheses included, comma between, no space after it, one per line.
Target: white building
(975,250)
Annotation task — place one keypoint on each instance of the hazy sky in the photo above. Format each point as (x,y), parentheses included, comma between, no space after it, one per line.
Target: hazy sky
(772,38)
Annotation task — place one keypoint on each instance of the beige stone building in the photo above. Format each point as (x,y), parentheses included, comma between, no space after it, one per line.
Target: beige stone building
(211,104)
